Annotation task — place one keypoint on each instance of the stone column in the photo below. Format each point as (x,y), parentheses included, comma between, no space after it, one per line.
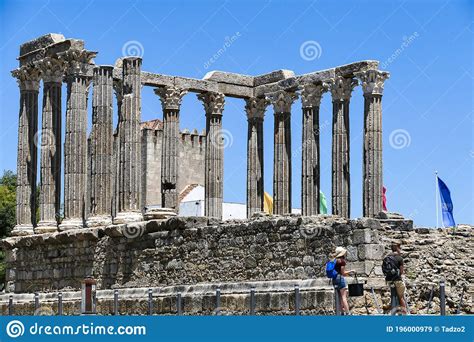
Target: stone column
(171,101)
(310,166)
(214,158)
(28,81)
(75,142)
(52,71)
(130,175)
(101,148)
(341,90)
(255,108)
(282,101)
(372,85)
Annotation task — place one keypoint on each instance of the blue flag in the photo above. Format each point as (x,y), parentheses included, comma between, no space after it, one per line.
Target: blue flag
(446,204)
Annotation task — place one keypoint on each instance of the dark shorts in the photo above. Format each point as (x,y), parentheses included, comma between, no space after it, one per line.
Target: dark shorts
(339,282)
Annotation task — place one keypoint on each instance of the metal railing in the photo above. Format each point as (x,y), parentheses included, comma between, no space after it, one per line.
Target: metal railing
(149,309)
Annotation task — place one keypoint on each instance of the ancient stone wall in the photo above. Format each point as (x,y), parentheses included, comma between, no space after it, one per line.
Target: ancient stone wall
(190,162)
(183,251)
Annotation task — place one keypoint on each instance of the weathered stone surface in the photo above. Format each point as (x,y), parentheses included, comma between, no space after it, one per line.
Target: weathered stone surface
(229,77)
(181,251)
(370,251)
(272,77)
(41,42)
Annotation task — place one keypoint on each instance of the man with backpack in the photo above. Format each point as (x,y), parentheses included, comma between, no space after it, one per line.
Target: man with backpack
(392,268)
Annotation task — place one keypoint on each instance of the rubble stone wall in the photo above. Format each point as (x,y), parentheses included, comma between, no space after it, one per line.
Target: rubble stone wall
(183,254)
(192,250)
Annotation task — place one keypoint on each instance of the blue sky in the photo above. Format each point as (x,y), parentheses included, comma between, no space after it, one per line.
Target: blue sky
(425,45)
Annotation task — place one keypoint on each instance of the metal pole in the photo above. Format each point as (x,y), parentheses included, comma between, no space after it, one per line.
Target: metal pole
(36,302)
(442,298)
(458,311)
(297,300)
(10,305)
(252,300)
(394,299)
(218,301)
(437,198)
(431,298)
(336,301)
(60,304)
(116,310)
(150,302)
(178,303)
(375,300)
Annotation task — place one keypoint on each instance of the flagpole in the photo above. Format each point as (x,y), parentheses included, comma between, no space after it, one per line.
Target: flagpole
(437,198)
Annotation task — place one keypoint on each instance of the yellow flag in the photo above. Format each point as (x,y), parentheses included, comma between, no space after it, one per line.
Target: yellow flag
(267,203)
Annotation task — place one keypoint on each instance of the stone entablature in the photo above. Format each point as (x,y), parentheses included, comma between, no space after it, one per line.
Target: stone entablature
(55,60)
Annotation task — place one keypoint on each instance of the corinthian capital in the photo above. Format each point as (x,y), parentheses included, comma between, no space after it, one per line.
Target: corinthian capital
(77,62)
(311,94)
(282,100)
(27,77)
(372,81)
(213,102)
(52,69)
(341,88)
(171,96)
(255,107)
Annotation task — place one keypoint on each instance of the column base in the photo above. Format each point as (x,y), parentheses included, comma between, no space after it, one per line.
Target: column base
(23,229)
(159,213)
(70,224)
(46,227)
(99,221)
(127,216)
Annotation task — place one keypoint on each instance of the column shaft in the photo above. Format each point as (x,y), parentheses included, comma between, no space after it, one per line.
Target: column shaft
(282,102)
(255,108)
(341,89)
(50,163)
(340,159)
(75,153)
(214,157)
(310,162)
(169,159)
(310,158)
(129,205)
(372,185)
(255,192)
(282,164)
(28,80)
(101,148)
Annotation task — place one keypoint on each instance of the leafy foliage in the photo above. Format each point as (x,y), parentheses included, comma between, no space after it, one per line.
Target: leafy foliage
(7,203)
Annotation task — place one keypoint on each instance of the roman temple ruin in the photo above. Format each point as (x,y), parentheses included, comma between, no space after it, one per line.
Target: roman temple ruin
(104,173)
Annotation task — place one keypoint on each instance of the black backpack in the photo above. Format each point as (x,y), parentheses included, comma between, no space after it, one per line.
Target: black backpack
(390,268)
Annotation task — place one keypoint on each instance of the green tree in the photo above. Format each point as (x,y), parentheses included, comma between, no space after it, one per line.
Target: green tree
(7,203)
(7,212)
